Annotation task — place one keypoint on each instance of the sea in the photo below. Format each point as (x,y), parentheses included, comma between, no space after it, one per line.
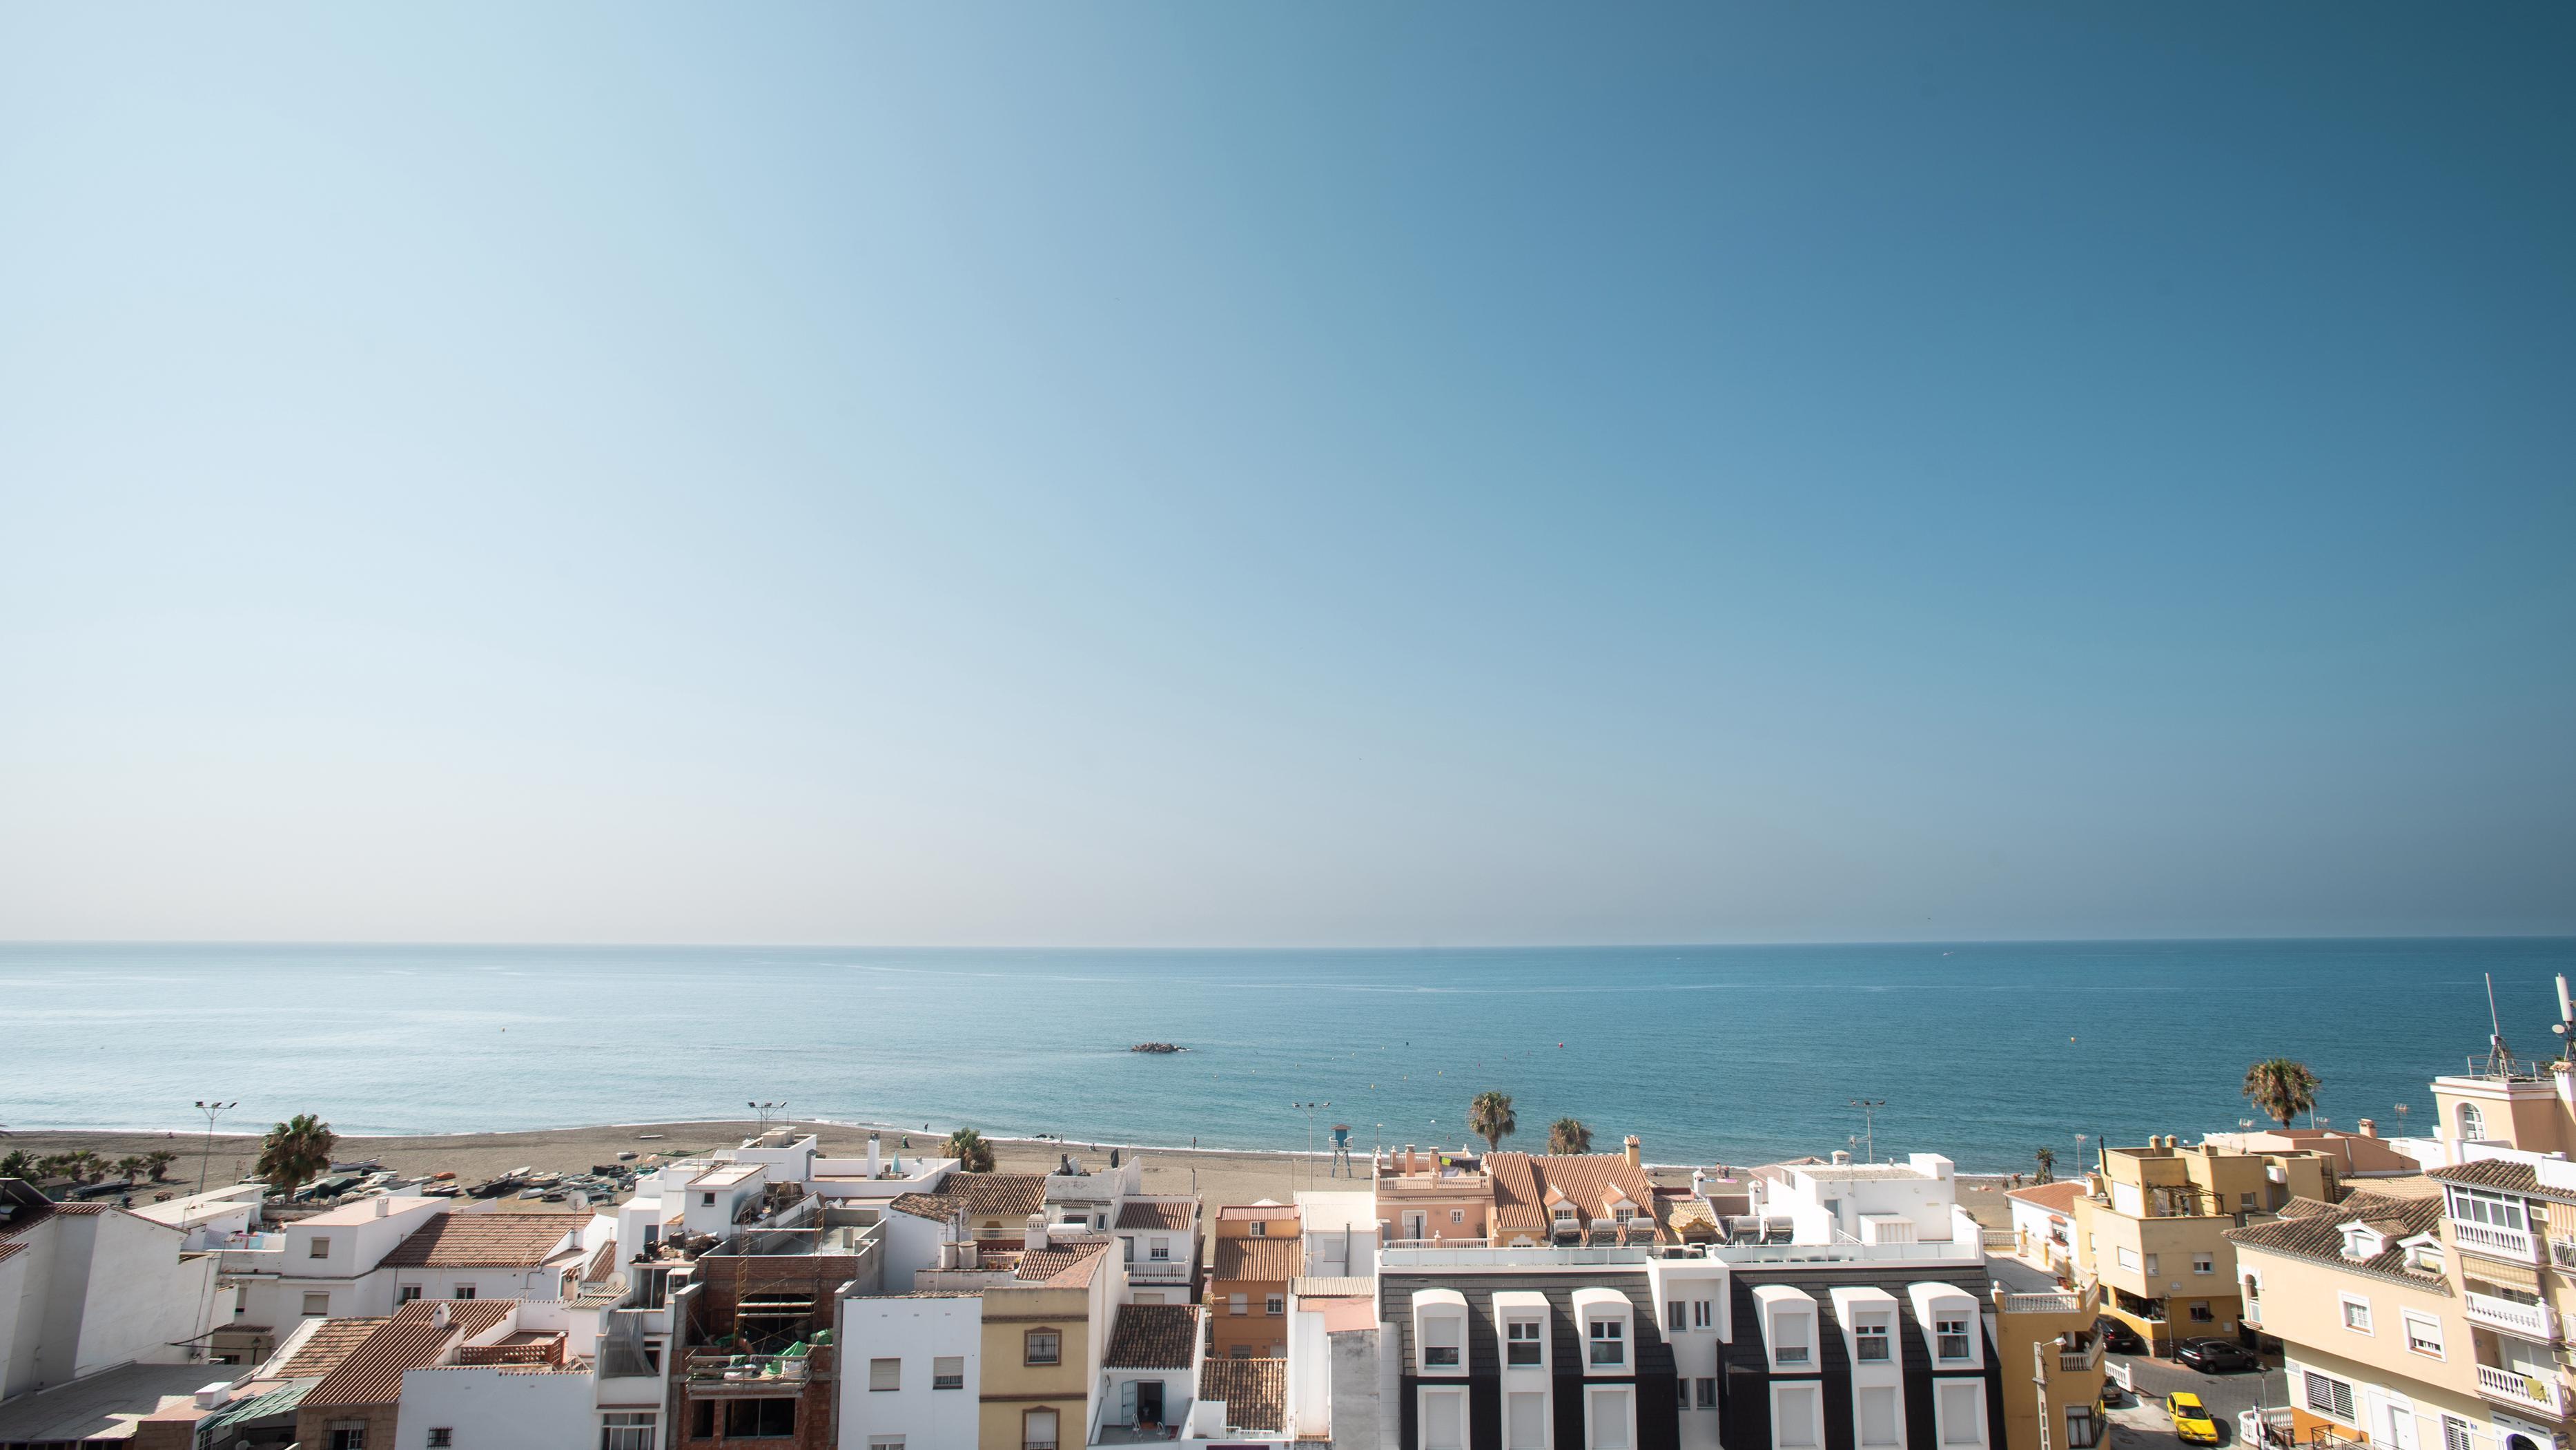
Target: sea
(1709,1054)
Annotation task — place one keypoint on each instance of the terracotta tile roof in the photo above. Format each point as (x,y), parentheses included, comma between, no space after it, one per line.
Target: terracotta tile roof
(1153,1336)
(981,1195)
(2311,1229)
(1255,1391)
(2055,1197)
(2504,1174)
(1150,1214)
(372,1373)
(483,1241)
(1066,1264)
(1267,1212)
(323,1349)
(936,1207)
(1261,1260)
(602,1264)
(1527,1185)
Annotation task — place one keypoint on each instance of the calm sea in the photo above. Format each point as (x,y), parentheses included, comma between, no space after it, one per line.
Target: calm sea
(1732,1054)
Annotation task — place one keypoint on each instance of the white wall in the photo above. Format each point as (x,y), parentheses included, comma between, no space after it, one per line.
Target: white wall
(144,1304)
(488,1409)
(916,1331)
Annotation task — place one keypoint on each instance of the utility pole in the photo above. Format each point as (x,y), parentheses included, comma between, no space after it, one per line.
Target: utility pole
(2039,1377)
(1869,1126)
(765,1109)
(212,1110)
(1309,1109)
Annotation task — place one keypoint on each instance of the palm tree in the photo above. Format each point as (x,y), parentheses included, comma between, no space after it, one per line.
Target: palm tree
(130,1167)
(1568,1135)
(81,1166)
(1489,1117)
(18,1163)
(295,1152)
(969,1148)
(157,1164)
(2282,1089)
(2047,1164)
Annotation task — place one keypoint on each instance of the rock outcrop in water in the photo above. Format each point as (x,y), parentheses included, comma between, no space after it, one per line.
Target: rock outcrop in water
(1158,1047)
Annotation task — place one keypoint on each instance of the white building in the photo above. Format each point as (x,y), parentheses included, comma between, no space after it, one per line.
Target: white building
(1871,1203)
(85,1287)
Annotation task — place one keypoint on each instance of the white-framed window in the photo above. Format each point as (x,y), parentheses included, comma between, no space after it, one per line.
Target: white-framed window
(948,1372)
(2356,1313)
(321,1246)
(2204,1263)
(1038,1429)
(1444,1340)
(1610,1418)
(1563,1217)
(406,1293)
(2456,1434)
(1960,1405)
(1791,1346)
(1703,1314)
(1128,1248)
(2083,1432)
(1870,1339)
(1525,1420)
(1159,1250)
(2494,1210)
(1444,1419)
(1609,1340)
(885,1374)
(1274,1304)
(1950,1341)
(2254,1296)
(885,1442)
(1797,1419)
(1257,1229)
(2423,1333)
(2473,1122)
(1676,1316)
(349,1435)
(626,1430)
(2125,1256)
(2329,1396)
(1238,1303)
(1524,1344)
(2200,1312)
(1707,1392)
(1457,1215)
(1881,1420)
(317,1306)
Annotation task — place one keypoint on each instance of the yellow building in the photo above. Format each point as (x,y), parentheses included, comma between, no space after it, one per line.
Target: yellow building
(2052,1368)
(2153,1230)
(1044,1331)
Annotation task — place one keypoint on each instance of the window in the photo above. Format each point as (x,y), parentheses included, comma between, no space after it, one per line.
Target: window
(2081,1432)
(885,1442)
(1258,1229)
(2253,1297)
(441,1437)
(2200,1312)
(1525,1422)
(2356,1313)
(461,1291)
(1683,1386)
(1238,1304)
(2423,1334)
(2152,1268)
(2329,1396)
(1609,1343)
(1274,1304)
(1043,1346)
(653,1356)
(1242,1351)
(1676,1316)
(1707,1393)
(2456,1434)
(948,1372)
(1128,1248)
(1037,1430)
(760,1419)
(1877,1409)
(316,1305)
(1457,1215)
(706,1200)
(1963,1412)
(2473,1123)
(702,1419)
(1159,1251)
(1609,1419)
(1703,1313)
(1521,1345)
(406,1293)
(1444,1420)
(349,1437)
(1442,1337)
(2204,1263)
(1794,1418)
(885,1374)
(2126,1256)
(321,1246)
(1789,1339)
(1950,1337)
(2245,1203)
(626,1430)
(1869,1339)
(2493,1210)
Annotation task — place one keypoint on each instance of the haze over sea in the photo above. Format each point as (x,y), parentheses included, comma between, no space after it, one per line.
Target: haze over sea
(1983,1051)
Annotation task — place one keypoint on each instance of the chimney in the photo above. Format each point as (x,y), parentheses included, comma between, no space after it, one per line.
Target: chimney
(438,1313)
(2370,1127)
(1036,1237)
(1636,1151)
(872,1155)
(214,1394)
(969,1255)
(1699,1183)
(384,1206)
(1842,1156)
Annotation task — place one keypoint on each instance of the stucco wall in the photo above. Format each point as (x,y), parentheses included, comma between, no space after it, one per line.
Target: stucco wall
(143,1302)
(916,1331)
(492,1410)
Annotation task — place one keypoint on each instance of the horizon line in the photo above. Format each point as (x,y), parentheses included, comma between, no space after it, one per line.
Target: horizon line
(710,945)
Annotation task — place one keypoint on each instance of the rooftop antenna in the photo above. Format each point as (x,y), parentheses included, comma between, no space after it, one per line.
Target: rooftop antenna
(2499,1060)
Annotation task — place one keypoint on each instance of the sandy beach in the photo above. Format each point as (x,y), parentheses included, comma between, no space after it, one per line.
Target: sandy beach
(1217,1176)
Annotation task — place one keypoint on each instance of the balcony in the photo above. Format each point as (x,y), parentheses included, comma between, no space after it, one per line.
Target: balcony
(2080,1361)
(2562,1253)
(713,1373)
(2522,1391)
(1158,1271)
(2530,1321)
(2510,1244)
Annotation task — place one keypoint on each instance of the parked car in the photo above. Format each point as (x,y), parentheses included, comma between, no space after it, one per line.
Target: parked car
(2191,1420)
(2119,1338)
(2216,1356)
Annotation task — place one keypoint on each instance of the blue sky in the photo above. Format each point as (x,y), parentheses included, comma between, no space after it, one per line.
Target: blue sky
(1235,474)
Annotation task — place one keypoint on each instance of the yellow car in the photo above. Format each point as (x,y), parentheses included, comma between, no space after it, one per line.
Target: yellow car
(2191,1420)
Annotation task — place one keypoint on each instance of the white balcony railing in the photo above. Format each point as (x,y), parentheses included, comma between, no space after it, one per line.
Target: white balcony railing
(2496,1243)
(2531,1321)
(2523,1391)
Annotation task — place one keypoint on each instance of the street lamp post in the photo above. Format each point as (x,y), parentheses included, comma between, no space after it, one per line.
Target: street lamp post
(765,1109)
(212,1110)
(1868,1122)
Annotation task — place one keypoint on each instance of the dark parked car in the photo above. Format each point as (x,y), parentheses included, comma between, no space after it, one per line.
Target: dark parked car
(2118,1337)
(2216,1356)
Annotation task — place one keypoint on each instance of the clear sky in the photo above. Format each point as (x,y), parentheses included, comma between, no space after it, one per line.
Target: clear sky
(1166,473)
